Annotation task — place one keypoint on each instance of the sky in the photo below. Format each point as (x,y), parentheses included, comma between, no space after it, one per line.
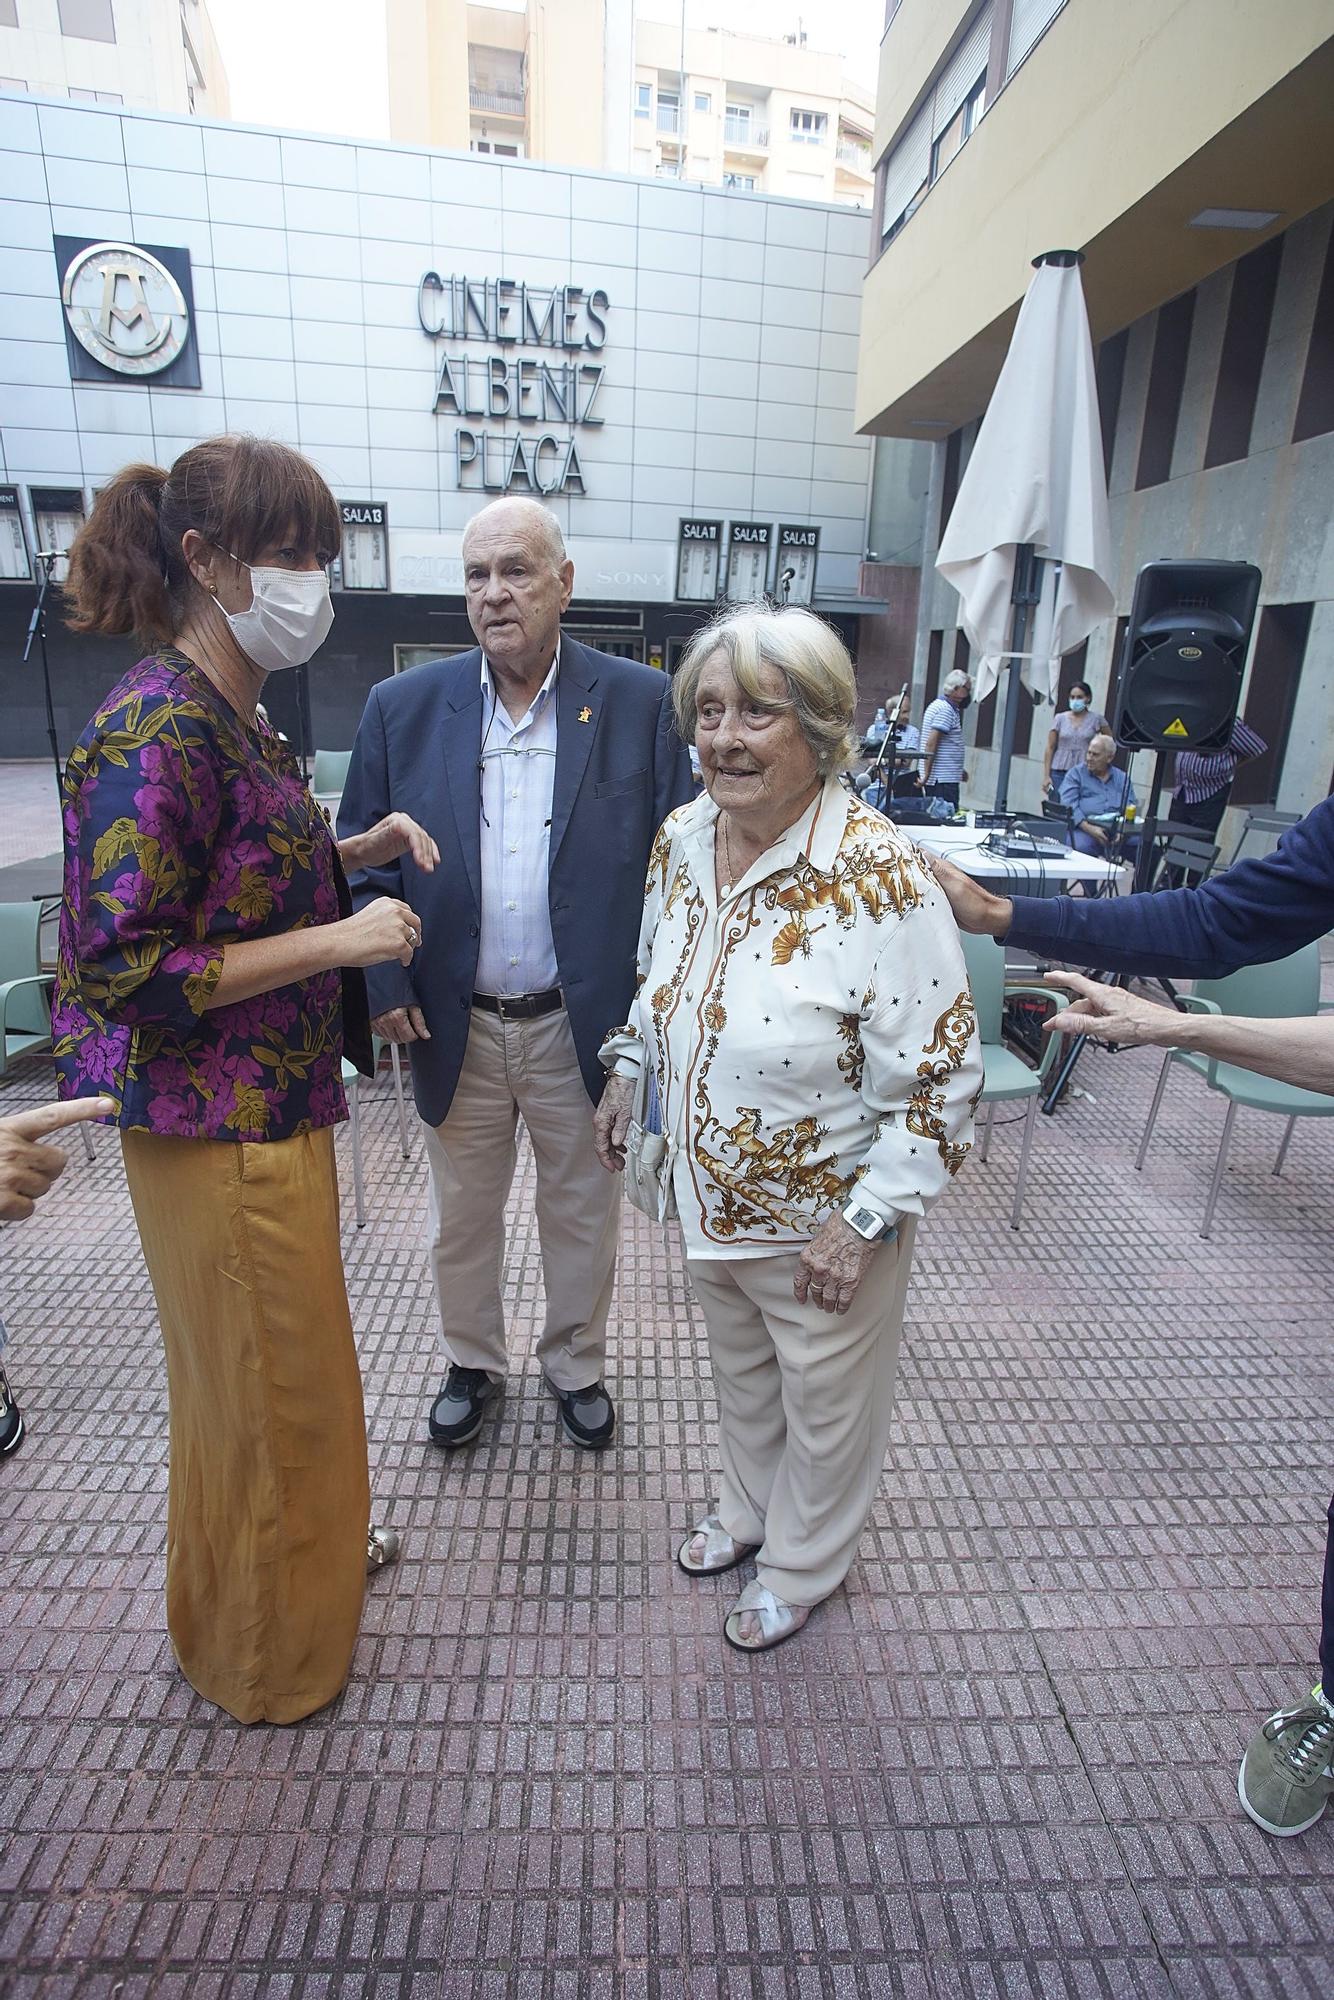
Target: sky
(285,71)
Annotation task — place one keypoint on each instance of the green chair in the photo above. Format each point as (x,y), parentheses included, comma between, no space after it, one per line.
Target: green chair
(1283,990)
(1006,1078)
(330,773)
(352,1082)
(25,992)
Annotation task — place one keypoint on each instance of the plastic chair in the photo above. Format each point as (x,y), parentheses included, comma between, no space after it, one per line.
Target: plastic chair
(25,992)
(352,1082)
(1006,1079)
(1279,991)
(1183,858)
(330,774)
(1264,819)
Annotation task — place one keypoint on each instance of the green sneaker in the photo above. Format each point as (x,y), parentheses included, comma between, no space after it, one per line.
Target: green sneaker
(1287,1773)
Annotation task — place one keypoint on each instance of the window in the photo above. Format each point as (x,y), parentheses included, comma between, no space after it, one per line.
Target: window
(703,101)
(668,170)
(57,513)
(643,99)
(1027,22)
(960,128)
(1167,375)
(669,111)
(1276,669)
(809,127)
(1245,338)
(88,20)
(1315,405)
(949,485)
(504,149)
(744,183)
(736,124)
(1109,370)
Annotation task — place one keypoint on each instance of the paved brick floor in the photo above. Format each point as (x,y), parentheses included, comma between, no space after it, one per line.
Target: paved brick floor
(1001,1762)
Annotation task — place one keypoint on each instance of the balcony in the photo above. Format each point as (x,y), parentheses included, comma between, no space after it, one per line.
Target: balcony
(740,136)
(669,118)
(504,103)
(858,158)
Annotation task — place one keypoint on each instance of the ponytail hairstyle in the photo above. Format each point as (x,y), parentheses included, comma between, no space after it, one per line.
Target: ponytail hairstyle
(127,568)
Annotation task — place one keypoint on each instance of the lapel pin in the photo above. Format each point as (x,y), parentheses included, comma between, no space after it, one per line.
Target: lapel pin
(585,715)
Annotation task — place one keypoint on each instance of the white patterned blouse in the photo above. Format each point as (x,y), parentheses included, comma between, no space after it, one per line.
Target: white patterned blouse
(812,1034)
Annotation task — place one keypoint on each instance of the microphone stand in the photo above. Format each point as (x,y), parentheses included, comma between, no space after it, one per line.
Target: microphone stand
(37,630)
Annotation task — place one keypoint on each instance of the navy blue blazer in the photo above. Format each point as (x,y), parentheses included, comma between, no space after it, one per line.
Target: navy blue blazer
(617,777)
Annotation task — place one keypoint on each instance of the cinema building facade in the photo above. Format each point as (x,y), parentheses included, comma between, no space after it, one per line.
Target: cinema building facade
(670,367)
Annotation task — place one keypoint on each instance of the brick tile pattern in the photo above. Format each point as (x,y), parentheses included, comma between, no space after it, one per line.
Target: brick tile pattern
(1000,1763)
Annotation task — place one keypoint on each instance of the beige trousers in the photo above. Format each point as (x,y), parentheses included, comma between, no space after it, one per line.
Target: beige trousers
(528,1068)
(267,1498)
(805,1399)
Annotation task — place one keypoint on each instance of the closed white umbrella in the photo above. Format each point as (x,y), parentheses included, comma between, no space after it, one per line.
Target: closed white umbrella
(1035,487)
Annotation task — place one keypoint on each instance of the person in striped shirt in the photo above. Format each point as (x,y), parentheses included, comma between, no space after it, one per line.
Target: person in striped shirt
(1204,778)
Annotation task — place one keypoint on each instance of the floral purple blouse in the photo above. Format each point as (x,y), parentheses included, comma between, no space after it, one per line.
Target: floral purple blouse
(185,829)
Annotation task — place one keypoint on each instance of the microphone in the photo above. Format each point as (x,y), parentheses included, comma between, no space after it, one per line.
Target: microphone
(787,576)
(52,555)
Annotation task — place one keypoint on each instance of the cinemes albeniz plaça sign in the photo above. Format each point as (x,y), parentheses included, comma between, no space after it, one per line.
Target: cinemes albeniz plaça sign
(484,378)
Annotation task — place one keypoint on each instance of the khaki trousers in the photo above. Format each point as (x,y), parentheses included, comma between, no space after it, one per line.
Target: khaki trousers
(804,1399)
(529,1068)
(268,1498)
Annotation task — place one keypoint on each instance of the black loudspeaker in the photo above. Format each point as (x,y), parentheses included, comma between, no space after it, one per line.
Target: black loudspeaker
(1185,654)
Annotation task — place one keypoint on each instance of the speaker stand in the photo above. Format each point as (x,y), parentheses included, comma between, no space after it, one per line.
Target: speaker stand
(1065,1069)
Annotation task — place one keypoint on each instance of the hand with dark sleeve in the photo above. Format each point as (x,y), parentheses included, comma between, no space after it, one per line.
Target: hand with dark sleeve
(1253,913)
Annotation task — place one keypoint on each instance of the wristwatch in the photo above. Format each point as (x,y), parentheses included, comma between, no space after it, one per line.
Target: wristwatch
(868,1223)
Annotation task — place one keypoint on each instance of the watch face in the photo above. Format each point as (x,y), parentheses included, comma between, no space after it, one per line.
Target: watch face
(863,1219)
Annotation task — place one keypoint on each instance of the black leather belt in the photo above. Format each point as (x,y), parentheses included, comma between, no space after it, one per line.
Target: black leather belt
(520,1006)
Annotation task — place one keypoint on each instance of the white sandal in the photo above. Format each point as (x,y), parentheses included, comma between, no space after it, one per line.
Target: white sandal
(778,1621)
(720,1551)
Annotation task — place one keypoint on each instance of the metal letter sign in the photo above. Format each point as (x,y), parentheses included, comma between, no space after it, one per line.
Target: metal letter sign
(798,552)
(698,549)
(747,560)
(125,308)
(363,562)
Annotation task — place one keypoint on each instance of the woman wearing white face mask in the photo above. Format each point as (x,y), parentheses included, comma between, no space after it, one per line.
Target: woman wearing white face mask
(1071,732)
(208,984)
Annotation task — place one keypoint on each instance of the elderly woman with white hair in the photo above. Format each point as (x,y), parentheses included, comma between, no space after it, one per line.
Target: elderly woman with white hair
(942,738)
(804,1007)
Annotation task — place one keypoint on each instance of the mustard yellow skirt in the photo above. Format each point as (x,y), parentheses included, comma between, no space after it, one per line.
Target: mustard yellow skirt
(268,1499)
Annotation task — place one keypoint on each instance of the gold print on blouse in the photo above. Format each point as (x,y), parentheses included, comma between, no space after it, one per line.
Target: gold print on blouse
(953,1031)
(794,937)
(865,871)
(768,1183)
(852,1058)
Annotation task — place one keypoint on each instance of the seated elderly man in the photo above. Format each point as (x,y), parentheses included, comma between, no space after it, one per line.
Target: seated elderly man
(1097,795)
(804,1005)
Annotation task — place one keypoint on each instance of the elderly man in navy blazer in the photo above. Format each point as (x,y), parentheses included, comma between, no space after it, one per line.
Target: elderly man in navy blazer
(543,769)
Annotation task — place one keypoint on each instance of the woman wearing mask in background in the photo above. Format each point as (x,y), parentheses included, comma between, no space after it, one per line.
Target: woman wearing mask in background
(204,938)
(1069,737)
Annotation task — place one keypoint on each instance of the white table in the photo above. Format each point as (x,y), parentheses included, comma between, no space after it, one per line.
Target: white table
(963,845)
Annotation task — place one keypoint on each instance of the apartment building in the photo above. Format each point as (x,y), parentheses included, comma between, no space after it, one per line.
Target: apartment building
(769,115)
(153,55)
(1185,146)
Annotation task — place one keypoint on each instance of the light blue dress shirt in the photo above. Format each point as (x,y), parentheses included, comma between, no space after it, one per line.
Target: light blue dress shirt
(517,953)
(1088,796)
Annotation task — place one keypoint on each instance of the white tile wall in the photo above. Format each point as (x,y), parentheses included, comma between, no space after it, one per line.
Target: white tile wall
(731,331)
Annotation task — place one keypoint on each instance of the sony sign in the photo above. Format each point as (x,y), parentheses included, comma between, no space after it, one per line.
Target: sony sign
(556,386)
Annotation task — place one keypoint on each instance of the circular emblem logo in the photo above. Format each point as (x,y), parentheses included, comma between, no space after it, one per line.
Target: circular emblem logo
(125,308)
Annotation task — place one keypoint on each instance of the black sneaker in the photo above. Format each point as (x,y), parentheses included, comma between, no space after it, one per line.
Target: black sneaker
(457,1412)
(11,1418)
(587,1414)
